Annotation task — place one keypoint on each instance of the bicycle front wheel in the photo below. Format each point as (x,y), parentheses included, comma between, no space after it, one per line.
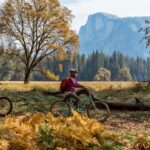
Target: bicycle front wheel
(60,108)
(98,110)
(5,106)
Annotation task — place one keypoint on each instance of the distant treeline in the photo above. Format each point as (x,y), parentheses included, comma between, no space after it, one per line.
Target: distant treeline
(88,67)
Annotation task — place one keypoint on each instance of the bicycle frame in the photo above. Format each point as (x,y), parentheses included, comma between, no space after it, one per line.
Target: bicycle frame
(91,98)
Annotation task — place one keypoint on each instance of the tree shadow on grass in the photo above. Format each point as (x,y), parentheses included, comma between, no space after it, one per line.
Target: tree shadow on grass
(30,101)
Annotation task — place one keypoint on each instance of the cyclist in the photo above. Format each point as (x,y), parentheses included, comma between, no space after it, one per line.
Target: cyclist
(71,87)
(74,89)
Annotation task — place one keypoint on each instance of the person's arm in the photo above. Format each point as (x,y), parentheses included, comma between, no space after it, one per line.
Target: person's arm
(75,84)
(79,85)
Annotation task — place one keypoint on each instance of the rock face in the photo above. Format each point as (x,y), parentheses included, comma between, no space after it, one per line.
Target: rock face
(105,32)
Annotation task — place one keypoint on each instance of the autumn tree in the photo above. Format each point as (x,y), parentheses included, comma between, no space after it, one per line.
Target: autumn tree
(124,74)
(102,75)
(38,28)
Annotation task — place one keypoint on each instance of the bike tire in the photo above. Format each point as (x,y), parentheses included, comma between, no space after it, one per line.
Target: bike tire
(60,108)
(100,111)
(5,102)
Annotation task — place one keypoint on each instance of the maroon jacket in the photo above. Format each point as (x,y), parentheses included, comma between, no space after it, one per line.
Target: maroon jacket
(73,84)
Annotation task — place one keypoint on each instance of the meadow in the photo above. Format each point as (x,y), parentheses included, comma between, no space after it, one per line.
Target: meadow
(126,130)
(30,98)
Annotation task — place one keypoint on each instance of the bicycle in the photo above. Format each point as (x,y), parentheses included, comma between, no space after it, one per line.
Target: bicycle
(5,105)
(94,108)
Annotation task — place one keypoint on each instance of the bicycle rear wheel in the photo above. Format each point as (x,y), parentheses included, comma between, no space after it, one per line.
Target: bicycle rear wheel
(98,110)
(60,108)
(5,106)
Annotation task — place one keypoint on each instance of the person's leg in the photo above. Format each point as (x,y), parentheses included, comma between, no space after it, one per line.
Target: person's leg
(74,96)
(82,91)
(85,92)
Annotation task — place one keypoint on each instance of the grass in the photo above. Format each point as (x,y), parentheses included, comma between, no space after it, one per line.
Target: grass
(30,98)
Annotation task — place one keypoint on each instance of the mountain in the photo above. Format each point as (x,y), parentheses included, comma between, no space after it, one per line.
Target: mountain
(107,33)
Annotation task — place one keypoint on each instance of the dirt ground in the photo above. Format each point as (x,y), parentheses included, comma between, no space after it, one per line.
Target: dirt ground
(130,121)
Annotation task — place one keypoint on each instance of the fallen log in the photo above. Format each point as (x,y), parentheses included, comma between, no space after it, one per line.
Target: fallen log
(135,106)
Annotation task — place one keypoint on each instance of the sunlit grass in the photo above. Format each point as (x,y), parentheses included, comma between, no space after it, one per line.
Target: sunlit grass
(19,86)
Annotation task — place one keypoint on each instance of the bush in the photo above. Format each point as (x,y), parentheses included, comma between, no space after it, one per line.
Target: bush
(44,132)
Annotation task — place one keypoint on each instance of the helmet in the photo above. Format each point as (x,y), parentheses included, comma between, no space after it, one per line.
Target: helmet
(73,70)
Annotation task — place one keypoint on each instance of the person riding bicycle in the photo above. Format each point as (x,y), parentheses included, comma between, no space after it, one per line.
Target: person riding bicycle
(74,89)
(71,87)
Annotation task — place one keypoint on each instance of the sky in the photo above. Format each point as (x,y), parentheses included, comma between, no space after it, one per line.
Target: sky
(81,9)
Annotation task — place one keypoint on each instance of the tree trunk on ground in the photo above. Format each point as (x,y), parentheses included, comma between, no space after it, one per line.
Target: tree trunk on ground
(135,106)
(128,106)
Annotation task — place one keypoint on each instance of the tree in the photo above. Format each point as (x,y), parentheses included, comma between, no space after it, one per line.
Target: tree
(114,66)
(124,74)
(102,75)
(146,32)
(38,28)
(96,78)
(8,67)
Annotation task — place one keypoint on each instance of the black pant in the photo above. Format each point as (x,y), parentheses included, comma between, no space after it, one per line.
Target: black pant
(75,95)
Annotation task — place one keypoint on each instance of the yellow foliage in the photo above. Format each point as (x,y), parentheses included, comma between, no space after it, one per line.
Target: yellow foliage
(50,16)
(63,133)
(16,135)
(60,67)
(23,133)
(50,75)
(4,144)
(142,142)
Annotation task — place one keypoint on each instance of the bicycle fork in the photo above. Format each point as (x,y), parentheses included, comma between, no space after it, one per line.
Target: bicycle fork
(91,98)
